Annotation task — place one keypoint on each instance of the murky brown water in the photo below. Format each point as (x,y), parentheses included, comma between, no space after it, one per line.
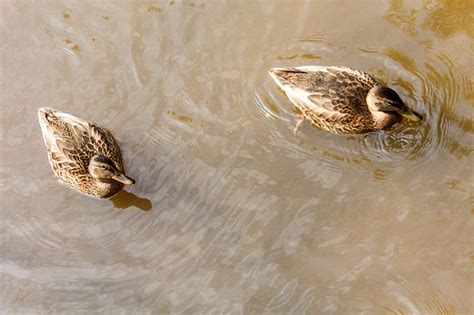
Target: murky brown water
(231,213)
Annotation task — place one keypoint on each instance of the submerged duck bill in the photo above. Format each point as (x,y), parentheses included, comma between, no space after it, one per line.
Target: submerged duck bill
(124,179)
(410,114)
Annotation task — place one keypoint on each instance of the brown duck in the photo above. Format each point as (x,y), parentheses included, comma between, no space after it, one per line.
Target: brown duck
(83,156)
(341,99)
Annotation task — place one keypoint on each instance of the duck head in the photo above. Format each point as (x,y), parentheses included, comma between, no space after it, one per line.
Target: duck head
(102,167)
(385,100)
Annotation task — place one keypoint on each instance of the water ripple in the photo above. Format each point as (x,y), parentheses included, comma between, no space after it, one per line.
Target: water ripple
(240,215)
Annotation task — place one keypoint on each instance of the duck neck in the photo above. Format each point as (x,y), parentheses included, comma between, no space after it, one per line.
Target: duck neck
(107,187)
(385,120)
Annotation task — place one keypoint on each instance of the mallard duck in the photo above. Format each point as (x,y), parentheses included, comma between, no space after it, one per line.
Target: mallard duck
(341,99)
(82,155)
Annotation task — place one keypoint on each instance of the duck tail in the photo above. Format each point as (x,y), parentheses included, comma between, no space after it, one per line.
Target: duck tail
(281,75)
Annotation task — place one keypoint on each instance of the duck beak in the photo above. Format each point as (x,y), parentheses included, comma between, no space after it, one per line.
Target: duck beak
(124,179)
(409,114)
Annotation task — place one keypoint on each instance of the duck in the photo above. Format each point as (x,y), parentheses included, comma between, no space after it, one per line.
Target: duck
(82,155)
(341,99)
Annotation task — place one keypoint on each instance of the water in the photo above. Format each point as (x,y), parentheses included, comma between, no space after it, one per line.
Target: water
(231,213)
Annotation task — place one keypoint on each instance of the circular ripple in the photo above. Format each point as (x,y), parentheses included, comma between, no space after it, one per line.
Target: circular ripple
(427,86)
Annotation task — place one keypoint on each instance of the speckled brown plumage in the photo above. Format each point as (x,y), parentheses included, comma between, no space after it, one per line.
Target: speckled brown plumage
(333,98)
(71,143)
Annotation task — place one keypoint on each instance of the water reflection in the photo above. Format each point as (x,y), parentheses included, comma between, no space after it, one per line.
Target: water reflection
(444,18)
(243,216)
(425,90)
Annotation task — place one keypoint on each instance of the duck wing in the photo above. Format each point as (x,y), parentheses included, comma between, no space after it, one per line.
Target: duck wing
(73,141)
(332,93)
(65,137)
(105,144)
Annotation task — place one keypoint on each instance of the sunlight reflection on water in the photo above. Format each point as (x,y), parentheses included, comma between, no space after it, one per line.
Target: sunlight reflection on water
(231,212)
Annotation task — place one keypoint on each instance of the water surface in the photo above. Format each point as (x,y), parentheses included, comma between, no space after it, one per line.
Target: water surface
(231,212)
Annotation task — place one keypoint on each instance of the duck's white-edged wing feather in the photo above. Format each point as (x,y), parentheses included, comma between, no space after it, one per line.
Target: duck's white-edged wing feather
(327,91)
(356,75)
(306,95)
(70,139)
(315,101)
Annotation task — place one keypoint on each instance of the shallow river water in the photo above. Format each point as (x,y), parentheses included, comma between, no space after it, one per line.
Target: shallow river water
(231,212)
